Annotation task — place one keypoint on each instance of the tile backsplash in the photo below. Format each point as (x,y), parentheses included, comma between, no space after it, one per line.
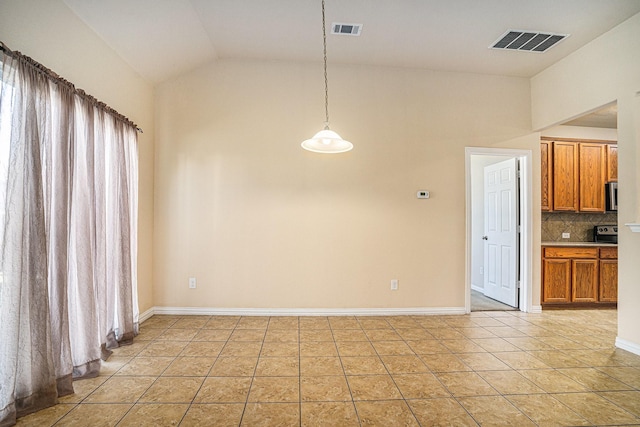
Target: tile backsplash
(580,225)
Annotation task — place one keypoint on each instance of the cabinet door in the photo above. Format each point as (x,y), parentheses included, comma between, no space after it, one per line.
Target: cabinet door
(612,162)
(546,175)
(584,280)
(556,280)
(608,280)
(565,176)
(591,177)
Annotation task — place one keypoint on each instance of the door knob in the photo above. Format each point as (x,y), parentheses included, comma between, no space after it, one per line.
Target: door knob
(485,237)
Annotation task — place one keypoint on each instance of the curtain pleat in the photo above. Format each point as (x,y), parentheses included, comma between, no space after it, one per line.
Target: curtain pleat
(84,326)
(100,250)
(68,183)
(57,177)
(121,222)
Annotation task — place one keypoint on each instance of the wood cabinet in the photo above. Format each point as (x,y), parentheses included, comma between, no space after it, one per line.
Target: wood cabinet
(584,280)
(612,162)
(582,276)
(592,176)
(546,177)
(574,173)
(608,289)
(556,285)
(565,176)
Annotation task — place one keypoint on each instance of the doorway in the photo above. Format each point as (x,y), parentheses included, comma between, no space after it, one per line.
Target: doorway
(476,160)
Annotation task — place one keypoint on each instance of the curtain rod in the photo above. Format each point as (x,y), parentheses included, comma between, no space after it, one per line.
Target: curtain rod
(59,80)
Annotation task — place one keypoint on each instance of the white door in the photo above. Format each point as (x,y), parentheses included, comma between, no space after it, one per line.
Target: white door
(501,232)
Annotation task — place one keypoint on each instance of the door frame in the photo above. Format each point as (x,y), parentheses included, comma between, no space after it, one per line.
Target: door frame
(526,230)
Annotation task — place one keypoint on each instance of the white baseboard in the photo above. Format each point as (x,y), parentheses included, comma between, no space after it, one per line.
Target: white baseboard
(628,345)
(477,288)
(209,311)
(147,314)
(535,309)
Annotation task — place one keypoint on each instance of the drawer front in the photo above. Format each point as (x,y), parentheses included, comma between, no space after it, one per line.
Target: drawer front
(570,252)
(609,253)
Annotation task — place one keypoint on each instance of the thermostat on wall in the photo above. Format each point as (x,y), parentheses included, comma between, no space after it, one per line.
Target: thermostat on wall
(423,194)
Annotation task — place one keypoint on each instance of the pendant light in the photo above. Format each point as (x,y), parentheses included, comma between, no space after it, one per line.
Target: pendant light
(326,141)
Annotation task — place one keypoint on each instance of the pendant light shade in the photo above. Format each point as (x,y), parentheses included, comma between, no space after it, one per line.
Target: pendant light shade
(326,141)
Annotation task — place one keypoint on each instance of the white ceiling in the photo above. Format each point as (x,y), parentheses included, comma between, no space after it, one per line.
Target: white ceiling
(163,38)
(605,117)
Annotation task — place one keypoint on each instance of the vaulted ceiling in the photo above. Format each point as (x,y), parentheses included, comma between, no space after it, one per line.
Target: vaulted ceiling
(164,38)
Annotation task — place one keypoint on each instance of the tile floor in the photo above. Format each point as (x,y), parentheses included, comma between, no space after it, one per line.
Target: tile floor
(479,302)
(486,368)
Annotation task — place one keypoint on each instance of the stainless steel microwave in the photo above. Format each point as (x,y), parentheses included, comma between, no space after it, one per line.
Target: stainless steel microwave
(611,192)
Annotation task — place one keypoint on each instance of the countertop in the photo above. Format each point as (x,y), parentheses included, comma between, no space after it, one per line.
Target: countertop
(582,244)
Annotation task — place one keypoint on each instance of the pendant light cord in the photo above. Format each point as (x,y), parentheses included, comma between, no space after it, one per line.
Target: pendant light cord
(326,81)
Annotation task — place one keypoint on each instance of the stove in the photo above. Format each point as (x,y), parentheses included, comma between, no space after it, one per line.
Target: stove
(605,233)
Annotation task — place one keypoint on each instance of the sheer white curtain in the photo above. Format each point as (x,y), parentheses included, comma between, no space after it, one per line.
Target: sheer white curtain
(68,212)
(27,370)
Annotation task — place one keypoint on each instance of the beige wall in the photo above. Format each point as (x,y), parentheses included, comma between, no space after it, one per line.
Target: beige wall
(603,71)
(581,132)
(47,31)
(262,223)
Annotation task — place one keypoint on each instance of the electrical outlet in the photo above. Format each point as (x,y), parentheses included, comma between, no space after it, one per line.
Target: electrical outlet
(394,284)
(566,235)
(192,282)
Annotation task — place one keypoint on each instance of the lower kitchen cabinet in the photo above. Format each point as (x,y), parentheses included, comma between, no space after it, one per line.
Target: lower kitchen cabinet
(556,283)
(608,290)
(580,276)
(584,280)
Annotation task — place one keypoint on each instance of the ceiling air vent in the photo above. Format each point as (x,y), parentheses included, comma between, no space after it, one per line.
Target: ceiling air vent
(530,41)
(346,29)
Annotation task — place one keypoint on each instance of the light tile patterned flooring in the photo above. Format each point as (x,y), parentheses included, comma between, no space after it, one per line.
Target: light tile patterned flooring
(486,368)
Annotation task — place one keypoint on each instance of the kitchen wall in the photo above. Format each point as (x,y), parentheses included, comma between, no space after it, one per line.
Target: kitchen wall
(50,33)
(262,223)
(579,225)
(581,132)
(603,71)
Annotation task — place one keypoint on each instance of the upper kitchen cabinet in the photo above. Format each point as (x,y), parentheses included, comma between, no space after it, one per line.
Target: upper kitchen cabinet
(546,178)
(565,176)
(574,173)
(612,162)
(591,174)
